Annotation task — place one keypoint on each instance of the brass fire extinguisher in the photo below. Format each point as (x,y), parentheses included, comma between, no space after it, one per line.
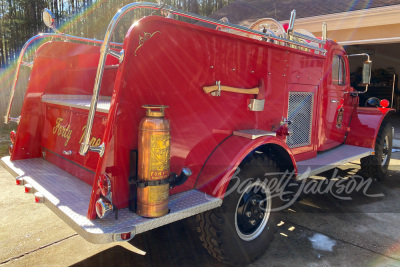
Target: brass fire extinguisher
(153,163)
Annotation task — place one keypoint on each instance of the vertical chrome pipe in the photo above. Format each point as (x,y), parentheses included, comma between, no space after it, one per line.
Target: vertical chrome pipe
(394,81)
(291,22)
(324,31)
(84,148)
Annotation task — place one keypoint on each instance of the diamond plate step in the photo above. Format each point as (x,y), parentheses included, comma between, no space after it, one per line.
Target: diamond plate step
(78,101)
(331,159)
(69,197)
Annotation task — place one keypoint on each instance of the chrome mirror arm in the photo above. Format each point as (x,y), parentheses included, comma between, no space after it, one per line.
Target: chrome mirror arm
(361,92)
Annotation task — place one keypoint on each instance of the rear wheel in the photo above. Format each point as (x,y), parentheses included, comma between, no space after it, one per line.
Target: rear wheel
(376,166)
(241,229)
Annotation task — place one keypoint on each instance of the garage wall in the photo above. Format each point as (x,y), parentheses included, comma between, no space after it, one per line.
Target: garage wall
(364,33)
(383,56)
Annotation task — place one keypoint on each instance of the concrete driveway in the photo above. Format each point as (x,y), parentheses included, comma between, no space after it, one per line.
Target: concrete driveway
(320,230)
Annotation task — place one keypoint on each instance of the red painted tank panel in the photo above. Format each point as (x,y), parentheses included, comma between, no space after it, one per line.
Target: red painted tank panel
(63,131)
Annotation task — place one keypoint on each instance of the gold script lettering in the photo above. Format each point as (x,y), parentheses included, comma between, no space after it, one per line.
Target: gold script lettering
(94,141)
(64,131)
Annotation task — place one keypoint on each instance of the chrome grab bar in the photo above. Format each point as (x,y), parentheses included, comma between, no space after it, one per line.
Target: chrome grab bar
(20,62)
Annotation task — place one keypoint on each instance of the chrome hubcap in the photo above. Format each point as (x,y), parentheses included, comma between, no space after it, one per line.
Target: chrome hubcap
(253,211)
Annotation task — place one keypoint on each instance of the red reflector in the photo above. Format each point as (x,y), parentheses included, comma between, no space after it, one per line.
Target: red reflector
(28,188)
(13,135)
(38,197)
(125,236)
(384,103)
(19,181)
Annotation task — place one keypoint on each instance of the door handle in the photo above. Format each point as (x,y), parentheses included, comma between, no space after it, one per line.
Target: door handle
(334,101)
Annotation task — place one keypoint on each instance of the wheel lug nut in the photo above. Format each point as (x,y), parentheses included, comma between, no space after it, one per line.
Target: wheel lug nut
(248,214)
(252,222)
(253,201)
(261,215)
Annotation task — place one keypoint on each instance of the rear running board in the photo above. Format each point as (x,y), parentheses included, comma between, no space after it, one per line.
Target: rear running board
(69,197)
(331,159)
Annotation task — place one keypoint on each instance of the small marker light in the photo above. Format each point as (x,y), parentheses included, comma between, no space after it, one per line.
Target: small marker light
(39,197)
(384,103)
(19,181)
(28,188)
(126,236)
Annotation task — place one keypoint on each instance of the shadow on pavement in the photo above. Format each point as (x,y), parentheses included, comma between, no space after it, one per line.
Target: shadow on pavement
(176,244)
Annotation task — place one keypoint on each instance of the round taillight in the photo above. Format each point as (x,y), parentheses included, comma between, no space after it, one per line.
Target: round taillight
(104,184)
(384,103)
(103,208)
(13,135)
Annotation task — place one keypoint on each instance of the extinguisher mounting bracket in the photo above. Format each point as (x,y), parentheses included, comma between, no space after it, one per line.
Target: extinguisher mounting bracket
(173,179)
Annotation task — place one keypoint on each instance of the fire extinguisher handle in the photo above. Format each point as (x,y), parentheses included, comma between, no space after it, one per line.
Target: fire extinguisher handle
(182,178)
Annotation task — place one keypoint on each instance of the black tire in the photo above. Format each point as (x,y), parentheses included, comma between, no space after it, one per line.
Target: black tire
(376,166)
(227,232)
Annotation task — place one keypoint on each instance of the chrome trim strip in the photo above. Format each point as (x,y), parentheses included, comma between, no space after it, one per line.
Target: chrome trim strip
(253,133)
(309,38)
(78,101)
(64,158)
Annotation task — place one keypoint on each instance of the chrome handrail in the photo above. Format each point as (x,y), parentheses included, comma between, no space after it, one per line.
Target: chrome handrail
(20,63)
(104,50)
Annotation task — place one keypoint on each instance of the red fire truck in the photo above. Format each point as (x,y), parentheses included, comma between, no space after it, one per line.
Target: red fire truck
(120,138)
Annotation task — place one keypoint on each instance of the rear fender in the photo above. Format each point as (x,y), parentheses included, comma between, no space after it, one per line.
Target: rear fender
(219,168)
(364,126)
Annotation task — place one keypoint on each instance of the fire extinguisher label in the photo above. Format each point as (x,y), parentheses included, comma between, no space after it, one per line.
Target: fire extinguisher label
(159,156)
(158,194)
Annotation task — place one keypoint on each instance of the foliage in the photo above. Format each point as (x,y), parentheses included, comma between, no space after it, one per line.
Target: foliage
(22,19)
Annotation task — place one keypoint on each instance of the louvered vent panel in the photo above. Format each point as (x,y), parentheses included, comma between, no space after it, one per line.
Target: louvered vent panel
(300,113)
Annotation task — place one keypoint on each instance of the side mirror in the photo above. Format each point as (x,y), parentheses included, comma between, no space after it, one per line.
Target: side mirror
(366,73)
(49,20)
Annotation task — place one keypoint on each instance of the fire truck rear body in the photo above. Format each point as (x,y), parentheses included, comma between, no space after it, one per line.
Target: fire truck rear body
(168,62)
